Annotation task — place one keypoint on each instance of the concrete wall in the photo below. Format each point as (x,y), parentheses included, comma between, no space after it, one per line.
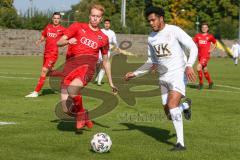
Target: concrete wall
(22,42)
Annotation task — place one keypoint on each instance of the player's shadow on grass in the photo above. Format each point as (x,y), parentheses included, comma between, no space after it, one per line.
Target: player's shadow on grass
(159,134)
(46,92)
(193,86)
(70,125)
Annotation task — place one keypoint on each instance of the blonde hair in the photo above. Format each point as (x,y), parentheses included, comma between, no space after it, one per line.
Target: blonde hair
(98,7)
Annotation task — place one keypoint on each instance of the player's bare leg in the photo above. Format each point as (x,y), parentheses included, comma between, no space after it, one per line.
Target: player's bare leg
(207,76)
(173,102)
(40,84)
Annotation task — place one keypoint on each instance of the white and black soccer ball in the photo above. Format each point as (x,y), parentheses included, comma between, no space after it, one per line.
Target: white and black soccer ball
(101,143)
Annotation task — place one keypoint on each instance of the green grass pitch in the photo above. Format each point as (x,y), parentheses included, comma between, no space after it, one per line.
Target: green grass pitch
(138,132)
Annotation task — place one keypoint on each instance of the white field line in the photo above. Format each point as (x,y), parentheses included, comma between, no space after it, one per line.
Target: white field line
(11,77)
(219,85)
(7,123)
(19,73)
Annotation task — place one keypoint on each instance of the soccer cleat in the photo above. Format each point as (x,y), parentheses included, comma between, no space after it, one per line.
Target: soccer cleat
(200,87)
(80,120)
(210,86)
(88,122)
(188,112)
(178,147)
(33,94)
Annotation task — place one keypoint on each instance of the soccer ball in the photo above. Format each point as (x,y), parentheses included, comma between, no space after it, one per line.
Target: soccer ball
(101,143)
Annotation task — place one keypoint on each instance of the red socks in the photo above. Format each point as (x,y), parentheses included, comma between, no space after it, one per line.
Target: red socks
(40,83)
(78,103)
(200,76)
(207,76)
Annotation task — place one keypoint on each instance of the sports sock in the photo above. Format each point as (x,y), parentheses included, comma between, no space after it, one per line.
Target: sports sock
(178,124)
(78,103)
(207,76)
(96,79)
(200,76)
(101,75)
(183,106)
(40,83)
(236,61)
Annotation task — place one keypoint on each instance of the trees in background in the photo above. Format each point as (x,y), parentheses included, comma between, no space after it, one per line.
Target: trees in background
(221,15)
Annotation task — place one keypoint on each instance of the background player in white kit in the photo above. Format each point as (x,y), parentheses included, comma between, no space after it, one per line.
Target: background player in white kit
(166,55)
(112,42)
(236,51)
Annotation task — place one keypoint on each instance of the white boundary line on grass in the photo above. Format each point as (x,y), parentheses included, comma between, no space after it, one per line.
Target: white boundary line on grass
(17,73)
(219,85)
(7,123)
(10,77)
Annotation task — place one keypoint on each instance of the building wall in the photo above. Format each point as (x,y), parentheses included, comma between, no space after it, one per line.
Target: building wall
(22,42)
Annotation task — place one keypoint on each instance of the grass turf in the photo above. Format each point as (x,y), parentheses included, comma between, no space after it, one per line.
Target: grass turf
(138,132)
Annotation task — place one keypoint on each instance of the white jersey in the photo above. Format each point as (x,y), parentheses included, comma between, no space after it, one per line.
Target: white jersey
(111,36)
(165,48)
(112,41)
(235,50)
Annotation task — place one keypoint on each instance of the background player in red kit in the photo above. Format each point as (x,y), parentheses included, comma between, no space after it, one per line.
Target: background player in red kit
(85,39)
(206,44)
(51,34)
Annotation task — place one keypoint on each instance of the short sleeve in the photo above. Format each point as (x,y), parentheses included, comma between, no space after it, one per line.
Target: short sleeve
(72,30)
(195,39)
(105,48)
(44,32)
(212,39)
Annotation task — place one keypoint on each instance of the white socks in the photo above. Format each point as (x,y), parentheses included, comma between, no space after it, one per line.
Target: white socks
(100,76)
(176,115)
(236,61)
(183,106)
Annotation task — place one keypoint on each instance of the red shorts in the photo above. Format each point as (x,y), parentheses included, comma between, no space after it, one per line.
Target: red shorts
(81,67)
(84,73)
(48,62)
(203,61)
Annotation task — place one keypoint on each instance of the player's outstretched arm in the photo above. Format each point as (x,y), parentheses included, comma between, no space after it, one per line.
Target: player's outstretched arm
(191,76)
(64,41)
(213,46)
(40,41)
(107,67)
(129,76)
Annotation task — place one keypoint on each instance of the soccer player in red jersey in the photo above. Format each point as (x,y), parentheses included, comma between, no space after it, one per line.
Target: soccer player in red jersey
(85,40)
(51,34)
(206,44)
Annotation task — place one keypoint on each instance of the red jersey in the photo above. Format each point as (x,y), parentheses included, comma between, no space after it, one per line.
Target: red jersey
(52,34)
(203,42)
(89,42)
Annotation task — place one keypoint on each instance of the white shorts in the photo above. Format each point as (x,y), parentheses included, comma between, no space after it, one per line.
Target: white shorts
(235,54)
(172,81)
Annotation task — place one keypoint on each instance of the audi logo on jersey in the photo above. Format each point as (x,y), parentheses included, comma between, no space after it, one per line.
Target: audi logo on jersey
(53,35)
(88,42)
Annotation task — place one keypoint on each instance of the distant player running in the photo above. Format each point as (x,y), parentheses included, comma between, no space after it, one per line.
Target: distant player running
(112,42)
(236,52)
(206,44)
(167,56)
(86,40)
(51,34)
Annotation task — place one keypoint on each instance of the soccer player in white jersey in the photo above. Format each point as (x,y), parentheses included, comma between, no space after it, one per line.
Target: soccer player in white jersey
(166,55)
(236,52)
(112,43)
